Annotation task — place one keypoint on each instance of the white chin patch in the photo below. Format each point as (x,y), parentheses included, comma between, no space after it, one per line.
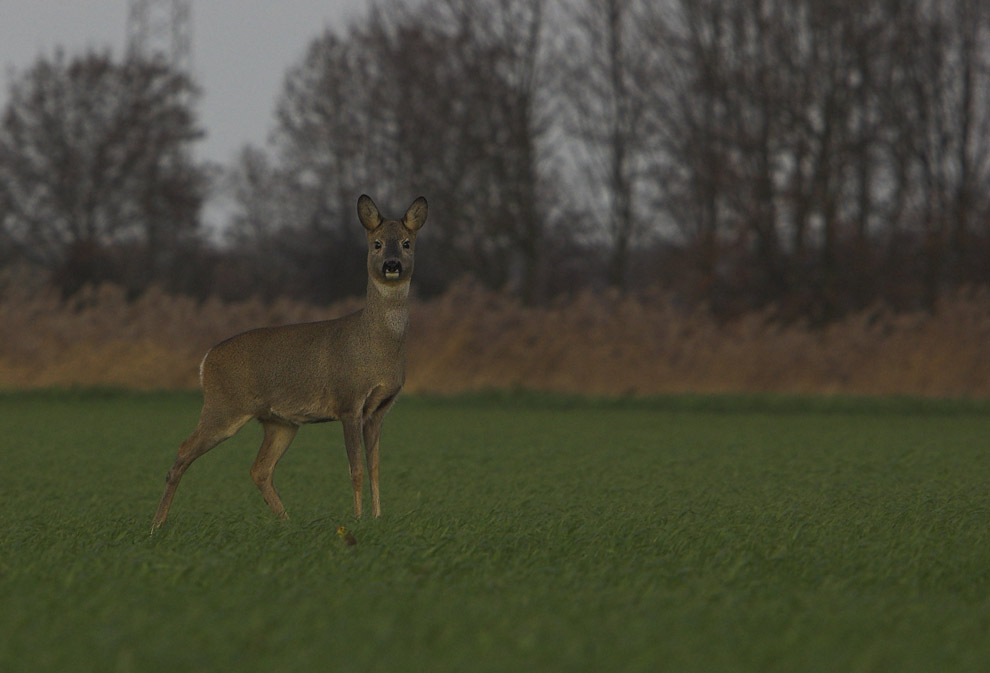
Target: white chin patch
(392,275)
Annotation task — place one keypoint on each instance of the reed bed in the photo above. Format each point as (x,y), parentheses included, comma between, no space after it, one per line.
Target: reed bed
(471,339)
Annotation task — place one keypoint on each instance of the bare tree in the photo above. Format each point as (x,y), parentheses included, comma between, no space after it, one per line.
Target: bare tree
(441,97)
(335,135)
(791,152)
(609,70)
(93,153)
(946,127)
(481,134)
(784,136)
(689,120)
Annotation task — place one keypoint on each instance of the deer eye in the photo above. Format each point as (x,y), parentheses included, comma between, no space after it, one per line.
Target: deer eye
(378,245)
(405,244)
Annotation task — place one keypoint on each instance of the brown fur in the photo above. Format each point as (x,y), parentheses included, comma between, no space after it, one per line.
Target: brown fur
(349,369)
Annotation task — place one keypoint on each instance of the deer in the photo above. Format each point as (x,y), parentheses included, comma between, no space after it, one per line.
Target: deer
(349,369)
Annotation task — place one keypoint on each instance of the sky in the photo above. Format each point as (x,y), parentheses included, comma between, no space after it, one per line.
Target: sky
(241,51)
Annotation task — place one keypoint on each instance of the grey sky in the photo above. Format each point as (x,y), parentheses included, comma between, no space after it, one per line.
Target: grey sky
(241,50)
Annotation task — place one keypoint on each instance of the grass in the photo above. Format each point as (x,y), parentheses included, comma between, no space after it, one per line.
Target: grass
(470,339)
(521,532)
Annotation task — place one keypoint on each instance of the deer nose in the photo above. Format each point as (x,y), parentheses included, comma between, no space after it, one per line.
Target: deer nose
(392,268)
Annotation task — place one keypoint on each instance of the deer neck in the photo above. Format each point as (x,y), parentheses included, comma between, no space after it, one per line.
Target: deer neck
(387,307)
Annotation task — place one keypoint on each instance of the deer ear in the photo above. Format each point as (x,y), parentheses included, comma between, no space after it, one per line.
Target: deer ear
(416,215)
(368,213)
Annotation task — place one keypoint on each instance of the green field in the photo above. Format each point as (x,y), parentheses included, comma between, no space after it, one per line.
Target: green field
(519,533)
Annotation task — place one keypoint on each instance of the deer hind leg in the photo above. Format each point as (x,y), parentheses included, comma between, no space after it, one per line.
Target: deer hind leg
(211,431)
(278,436)
(352,441)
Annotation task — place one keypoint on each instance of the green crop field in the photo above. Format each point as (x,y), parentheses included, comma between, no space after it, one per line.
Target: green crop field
(520,532)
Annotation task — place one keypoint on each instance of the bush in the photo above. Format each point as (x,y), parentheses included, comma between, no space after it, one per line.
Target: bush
(469,338)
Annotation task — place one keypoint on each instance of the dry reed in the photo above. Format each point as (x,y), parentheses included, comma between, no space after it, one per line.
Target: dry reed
(471,339)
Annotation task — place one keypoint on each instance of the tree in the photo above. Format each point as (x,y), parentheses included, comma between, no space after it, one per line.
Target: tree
(471,112)
(441,98)
(95,154)
(795,133)
(811,155)
(332,143)
(608,70)
(945,122)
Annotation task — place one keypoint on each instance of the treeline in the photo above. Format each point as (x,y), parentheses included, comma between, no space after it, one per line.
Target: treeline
(814,156)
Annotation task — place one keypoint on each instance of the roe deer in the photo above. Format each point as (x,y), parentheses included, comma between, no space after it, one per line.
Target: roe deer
(349,369)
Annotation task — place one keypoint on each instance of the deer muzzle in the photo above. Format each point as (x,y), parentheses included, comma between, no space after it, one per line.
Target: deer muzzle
(392,269)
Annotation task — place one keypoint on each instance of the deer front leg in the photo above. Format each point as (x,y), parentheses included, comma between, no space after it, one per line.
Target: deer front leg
(372,430)
(352,441)
(372,435)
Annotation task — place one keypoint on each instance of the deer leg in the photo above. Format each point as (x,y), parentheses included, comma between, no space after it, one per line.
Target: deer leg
(352,441)
(207,435)
(372,434)
(278,436)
